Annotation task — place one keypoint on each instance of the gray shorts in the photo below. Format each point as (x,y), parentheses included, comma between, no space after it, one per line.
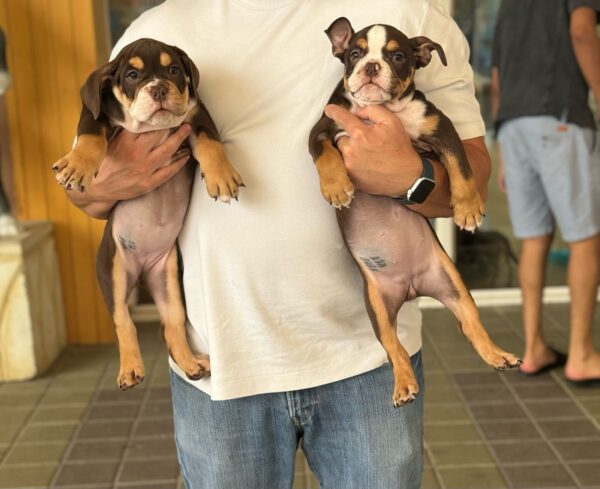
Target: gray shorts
(552,172)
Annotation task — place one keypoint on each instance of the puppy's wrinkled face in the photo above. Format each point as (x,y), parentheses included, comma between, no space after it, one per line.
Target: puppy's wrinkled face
(154,84)
(380,61)
(379,64)
(151,82)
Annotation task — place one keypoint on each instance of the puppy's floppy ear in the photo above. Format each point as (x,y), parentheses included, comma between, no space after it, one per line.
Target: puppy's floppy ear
(91,91)
(339,33)
(191,71)
(422,47)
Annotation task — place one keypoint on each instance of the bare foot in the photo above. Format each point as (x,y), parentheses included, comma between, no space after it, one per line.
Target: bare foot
(540,356)
(583,368)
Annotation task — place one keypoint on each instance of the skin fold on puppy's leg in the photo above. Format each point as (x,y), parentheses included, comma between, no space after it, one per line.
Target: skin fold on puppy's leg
(162,281)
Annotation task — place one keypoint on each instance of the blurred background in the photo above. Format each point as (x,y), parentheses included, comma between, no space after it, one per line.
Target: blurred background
(63,424)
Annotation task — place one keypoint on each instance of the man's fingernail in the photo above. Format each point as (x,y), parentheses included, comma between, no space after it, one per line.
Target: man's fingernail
(187,128)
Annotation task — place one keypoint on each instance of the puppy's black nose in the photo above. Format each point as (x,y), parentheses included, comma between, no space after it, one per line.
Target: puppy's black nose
(371,69)
(159,92)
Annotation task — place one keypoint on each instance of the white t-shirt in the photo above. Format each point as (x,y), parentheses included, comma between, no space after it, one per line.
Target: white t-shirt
(271,291)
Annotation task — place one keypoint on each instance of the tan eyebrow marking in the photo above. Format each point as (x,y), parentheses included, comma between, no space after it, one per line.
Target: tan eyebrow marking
(137,62)
(392,45)
(362,43)
(165,59)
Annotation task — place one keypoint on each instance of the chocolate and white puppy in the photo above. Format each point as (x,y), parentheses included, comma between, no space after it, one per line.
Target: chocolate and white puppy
(396,250)
(148,86)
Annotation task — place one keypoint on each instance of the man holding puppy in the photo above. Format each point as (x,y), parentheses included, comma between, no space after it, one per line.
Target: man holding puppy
(272,294)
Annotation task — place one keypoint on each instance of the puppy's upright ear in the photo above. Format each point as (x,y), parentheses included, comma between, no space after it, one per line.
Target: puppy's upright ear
(339,33)
(422,47)
(91,91)
(191,71)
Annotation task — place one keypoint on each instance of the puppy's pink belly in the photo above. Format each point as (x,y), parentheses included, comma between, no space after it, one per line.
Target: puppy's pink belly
(146,228)
(142,241)
(393,245)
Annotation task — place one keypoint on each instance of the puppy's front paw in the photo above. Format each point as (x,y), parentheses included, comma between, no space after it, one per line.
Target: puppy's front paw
(76,170)
(338,191)
(468,211)
(223,182)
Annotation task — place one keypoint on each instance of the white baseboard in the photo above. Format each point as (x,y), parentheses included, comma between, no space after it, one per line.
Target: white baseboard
(506,297)
(482,297)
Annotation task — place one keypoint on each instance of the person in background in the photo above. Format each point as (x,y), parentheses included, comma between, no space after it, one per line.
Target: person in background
(546,57)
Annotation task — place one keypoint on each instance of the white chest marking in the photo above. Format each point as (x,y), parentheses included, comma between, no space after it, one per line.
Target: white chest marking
(411,113)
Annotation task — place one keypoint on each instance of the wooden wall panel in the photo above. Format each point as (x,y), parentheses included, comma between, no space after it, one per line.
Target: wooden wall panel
(53,46)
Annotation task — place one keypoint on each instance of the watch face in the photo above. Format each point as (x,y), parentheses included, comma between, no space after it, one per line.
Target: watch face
(421,190)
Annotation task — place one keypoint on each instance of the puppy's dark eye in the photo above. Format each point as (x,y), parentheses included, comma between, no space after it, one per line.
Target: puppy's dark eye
(355,54)
(174,69)
(399,56)
(132,74)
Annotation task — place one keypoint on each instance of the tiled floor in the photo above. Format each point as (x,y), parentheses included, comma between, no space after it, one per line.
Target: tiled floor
(494,430)
(73,429)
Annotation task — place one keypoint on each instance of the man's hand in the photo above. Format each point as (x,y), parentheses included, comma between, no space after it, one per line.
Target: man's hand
(378,153)
(381,160)
(134,165)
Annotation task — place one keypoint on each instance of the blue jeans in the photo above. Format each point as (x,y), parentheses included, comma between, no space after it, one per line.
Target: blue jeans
(352,436)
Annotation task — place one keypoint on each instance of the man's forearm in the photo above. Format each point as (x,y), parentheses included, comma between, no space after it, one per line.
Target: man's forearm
(438,202)
(586,45)
(92,206)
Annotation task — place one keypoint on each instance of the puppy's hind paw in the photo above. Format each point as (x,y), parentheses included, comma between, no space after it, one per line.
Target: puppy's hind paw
(406,393)
(501,360)
(130,377)
(197,368)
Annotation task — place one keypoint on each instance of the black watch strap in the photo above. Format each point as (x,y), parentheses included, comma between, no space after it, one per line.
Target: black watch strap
(422,186)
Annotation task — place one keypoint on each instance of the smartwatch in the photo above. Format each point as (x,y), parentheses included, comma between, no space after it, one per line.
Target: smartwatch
(420,190)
